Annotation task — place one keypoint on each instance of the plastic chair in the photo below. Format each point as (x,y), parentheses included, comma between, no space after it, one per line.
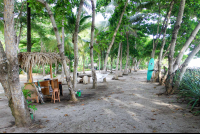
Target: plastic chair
(55,95)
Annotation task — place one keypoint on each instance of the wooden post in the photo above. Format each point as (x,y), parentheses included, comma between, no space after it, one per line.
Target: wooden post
(30,74)
(51,74)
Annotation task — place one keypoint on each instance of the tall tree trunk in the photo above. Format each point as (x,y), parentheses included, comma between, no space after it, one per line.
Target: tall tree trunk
(186,45)
(113,38)
(61,51)
(28,36)
(116,70)
(42,50)
(18,37)
(120,74)
(28,28)
(76,44)
(127,56)
(83,64)
(62,74)
(10,69)
(138,64)
(163,42)
(173,42)
(99,62)
(184,66)
(101,58)
(94,76)
(111,64)
(70,64)
(154,46)
(135,65)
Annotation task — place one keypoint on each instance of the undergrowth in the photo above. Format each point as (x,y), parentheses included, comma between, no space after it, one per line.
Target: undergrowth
(189,88)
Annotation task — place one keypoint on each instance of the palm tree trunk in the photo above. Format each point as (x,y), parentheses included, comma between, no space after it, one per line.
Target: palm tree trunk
(62,75)
(120,73)
(94,76)
(83,64)
(184,67)
(111,64)
(28,35)
(9,68)
(135,65)
(163,43)
(75,44)
(116,70)
(127,56)
(113,38)
(99,62)
(61,51)
(173,42)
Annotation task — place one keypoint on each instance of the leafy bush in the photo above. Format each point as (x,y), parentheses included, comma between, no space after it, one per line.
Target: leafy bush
(27,93)
(190,87)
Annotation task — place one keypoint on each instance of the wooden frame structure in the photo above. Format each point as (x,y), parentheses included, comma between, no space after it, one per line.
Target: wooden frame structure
(29,59)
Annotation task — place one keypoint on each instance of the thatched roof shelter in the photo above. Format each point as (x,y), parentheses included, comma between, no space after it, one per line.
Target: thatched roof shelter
(27,59)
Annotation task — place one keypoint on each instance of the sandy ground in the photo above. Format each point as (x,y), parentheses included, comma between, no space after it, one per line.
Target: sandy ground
(127,105)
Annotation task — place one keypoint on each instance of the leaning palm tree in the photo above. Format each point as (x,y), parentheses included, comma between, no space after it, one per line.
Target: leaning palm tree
(70,27)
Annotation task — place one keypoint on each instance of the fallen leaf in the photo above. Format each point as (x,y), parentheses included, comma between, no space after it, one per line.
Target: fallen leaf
(152,111)
(55,108)
(47,120)
(4,131)
(94,121)
(41,126)
(66,115)
(44,116)
(74,110)
(154,114)
(109,96)
(154,87)
(133,115)
(114,127)
(134,127)
(99,99)
(154,131)
(112,119)
(59,123)
(153,119)
(82,104)
(133,94)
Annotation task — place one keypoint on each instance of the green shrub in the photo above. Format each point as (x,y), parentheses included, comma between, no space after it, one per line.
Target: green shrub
(190,87)
(27,93)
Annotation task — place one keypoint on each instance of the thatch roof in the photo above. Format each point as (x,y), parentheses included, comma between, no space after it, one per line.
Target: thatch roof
(38,58)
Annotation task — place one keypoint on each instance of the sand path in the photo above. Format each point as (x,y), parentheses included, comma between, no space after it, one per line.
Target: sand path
(127,105)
